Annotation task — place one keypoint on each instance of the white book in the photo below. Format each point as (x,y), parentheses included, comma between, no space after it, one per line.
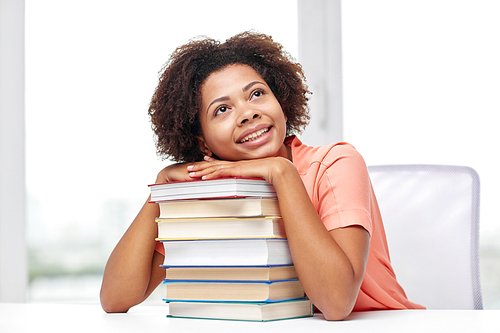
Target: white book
(227,252)
(212,188)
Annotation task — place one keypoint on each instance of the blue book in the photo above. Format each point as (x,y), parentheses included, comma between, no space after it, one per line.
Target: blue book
(233,291)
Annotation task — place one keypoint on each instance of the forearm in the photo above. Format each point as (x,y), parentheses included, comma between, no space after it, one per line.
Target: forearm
(326,272)
(133,270)
(128,274)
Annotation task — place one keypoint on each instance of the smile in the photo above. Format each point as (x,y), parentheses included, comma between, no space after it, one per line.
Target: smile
(254,135)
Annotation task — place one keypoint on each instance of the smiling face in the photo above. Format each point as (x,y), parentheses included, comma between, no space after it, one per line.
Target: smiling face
(240,116)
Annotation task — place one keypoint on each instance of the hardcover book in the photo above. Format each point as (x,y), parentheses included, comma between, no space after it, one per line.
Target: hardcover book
(235,291)
(235,273)
(212,188)
(227,252)
(221,228)
(242,207)
(242,311)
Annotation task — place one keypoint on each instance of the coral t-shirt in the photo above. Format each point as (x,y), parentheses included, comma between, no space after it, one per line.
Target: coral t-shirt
(338,184)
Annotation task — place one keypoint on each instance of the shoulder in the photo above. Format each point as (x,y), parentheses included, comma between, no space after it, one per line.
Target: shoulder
(337,181)
(336,154)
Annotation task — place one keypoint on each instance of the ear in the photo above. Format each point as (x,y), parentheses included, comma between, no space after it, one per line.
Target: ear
(202,144)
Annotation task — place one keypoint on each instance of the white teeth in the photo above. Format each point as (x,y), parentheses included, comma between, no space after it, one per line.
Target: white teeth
(254,135)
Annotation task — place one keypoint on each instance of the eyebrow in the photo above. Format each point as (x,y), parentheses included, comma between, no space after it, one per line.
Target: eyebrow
(217,100)
(226,98)
(250,85)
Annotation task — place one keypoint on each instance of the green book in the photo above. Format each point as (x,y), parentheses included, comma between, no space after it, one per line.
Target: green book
(242,311)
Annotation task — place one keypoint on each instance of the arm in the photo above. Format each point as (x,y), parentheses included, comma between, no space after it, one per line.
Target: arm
(133,269)
(330,265)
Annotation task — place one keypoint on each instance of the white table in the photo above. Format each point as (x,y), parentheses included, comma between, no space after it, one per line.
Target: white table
(33,317)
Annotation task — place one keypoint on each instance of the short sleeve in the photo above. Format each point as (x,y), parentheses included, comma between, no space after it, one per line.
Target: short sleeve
(344,190)
(337,181)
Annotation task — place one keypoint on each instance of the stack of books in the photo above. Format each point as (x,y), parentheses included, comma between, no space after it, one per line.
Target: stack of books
(226,252)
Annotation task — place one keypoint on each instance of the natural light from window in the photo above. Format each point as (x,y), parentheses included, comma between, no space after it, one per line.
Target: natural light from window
(92,67)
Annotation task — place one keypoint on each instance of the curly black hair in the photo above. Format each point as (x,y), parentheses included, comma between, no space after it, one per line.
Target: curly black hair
(176,102)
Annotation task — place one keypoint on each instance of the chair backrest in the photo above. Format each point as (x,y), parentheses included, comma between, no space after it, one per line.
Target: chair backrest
(431,218)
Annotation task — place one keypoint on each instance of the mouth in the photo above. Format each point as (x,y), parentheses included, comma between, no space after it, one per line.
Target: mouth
(255,135)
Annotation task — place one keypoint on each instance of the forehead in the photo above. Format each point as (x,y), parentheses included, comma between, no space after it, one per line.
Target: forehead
(229,77)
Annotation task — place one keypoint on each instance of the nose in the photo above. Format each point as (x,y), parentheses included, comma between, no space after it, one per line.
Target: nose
(248,115)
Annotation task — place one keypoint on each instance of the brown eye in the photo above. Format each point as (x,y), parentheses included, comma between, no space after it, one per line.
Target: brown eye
(220,110)
(257,93)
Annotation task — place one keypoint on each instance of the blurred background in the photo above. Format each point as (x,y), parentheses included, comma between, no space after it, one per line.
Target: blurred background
(418,84)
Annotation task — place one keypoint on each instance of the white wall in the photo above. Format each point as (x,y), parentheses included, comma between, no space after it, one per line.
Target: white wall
(13,259)
(421,85)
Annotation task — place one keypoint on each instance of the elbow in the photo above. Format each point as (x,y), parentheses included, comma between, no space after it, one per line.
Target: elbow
(113,307)
(113,304)
(337,313)
(337,304)
(336,309)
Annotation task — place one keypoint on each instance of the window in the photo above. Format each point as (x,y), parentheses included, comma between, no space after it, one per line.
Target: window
(91,69)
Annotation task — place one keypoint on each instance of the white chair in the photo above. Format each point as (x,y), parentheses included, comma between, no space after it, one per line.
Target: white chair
(431,218)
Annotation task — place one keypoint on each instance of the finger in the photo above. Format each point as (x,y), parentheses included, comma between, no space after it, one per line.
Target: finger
(198,166)
(222,170)
(201,169)
(207,163)
(211,171)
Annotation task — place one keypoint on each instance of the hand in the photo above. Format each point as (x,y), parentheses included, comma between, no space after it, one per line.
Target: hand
(176,172)
(172,173)
(259,168)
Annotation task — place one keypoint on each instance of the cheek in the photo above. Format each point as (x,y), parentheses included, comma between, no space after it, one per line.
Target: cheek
(283,116)
(218,137)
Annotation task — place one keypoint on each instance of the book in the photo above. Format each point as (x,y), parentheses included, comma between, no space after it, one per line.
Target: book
(236,273)
(227,252)
(220,228)
(242,311)
(242,207)
(235,291)
(225,242)
(213,188)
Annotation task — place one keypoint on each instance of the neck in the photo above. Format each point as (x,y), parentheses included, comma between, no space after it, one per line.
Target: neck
(286,152)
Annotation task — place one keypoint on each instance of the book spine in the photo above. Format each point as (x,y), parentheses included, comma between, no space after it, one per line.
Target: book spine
(267,301)
(236,249)
(227,266)
(165,281)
